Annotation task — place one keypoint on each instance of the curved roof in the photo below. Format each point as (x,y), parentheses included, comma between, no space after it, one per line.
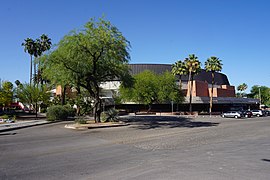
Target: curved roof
(220,79)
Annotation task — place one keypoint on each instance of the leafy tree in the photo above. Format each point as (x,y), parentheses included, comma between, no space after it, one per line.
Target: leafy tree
(88,57)
(167,89)
(242,88)
(262,93)
(56,73)
(33,95)
(179,68)
(150,88)
(6,93)
(213,64)
(145,88)
(193,66)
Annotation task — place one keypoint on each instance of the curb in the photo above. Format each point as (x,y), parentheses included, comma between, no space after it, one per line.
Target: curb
(24,126)
(93,127)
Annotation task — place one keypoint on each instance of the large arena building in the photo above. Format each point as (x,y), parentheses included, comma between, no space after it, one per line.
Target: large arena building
(223,93)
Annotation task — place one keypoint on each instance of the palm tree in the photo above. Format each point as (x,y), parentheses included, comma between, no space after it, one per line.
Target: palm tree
(213,64)
(242,88)
(30,48)
(36,48)
(193,66)
(179,68)
(42,44)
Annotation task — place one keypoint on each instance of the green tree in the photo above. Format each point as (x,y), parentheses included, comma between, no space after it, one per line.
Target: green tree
(193,66)
(96,54)
(33,95)
(56,73)
(262,93)
(144,91)
(213,64)
(242,88)
(150,88)
(179,68)
(167,88)
(6,93)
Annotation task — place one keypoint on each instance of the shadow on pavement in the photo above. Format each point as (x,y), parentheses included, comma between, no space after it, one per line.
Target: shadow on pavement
(266,160)
(151,122)
(7,134)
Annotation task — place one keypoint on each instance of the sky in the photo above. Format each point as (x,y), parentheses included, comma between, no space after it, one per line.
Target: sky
(160,32)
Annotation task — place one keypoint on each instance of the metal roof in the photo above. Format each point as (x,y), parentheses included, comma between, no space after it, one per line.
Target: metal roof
(220,79)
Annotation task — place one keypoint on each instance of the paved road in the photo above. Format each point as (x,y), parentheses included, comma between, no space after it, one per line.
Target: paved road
(150,148)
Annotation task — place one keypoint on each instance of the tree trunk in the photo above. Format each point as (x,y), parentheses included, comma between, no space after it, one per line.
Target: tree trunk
(149,108)
(63,96)
(190,79)
(36,109)
(31,69)
(180,82)
(211,97)
(35,75)
(97,110)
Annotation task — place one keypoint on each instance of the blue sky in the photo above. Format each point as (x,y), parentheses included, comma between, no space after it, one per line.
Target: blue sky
(236,31)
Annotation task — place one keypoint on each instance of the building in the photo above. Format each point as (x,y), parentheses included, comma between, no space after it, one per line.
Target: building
(223,93)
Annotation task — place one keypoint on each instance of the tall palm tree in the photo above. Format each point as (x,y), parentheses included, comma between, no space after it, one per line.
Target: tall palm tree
(179,68)
(42,44)
(193,66)
(30,48)
(213,64)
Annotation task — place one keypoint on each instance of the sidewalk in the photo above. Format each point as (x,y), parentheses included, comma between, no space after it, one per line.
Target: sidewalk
(21,124)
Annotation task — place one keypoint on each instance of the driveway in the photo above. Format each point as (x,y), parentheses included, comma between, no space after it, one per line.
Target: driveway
(151,147)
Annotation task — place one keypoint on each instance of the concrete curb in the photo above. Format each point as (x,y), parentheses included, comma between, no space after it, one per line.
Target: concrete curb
(93,126)
(11,127)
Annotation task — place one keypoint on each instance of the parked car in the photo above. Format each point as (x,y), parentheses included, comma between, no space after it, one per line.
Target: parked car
(232,114)
(258,112)
(267,113)
(247,114)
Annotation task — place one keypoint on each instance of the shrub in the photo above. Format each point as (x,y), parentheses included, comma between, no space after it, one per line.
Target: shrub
(57,113)
(80,121)
(109,116)
(71,111)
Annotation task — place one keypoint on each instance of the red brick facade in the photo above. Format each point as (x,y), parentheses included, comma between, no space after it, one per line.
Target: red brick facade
(201,89)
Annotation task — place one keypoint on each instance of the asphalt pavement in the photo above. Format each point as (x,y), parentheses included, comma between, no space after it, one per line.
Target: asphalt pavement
(149,148)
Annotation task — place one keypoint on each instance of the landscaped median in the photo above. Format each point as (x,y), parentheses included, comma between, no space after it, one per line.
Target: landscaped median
(93,125)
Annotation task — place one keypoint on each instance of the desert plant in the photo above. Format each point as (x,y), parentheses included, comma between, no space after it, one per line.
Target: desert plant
(109,116)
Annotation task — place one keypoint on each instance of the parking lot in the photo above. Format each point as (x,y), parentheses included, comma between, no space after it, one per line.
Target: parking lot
(150,147)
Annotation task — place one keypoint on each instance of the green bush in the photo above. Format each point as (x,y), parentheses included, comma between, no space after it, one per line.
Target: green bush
(71,111)
(58,112)
(109,116)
